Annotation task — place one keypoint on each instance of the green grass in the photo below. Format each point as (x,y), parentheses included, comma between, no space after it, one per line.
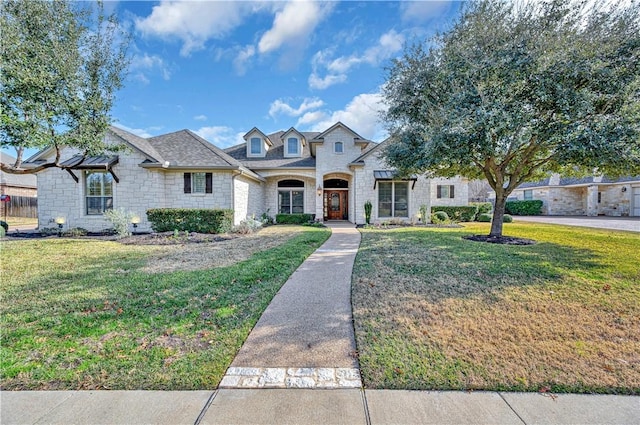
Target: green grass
(79,314)
(435,311)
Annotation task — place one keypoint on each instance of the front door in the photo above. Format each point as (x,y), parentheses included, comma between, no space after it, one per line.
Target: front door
(336,201)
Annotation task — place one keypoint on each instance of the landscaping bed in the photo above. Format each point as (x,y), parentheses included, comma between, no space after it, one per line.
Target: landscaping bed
(435,311)
(88,313)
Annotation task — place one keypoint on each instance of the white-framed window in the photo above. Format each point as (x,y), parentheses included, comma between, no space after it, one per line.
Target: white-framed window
(293,146)
(290,197)
(528,194)
(198,183)
(98,192)
(255,146)
(338,147)
(445,191)
(393,199)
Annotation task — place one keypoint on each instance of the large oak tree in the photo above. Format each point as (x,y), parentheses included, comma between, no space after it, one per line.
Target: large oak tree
(516,90)
(62,63)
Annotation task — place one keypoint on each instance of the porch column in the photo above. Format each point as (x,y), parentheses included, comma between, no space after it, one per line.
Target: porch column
(592,201)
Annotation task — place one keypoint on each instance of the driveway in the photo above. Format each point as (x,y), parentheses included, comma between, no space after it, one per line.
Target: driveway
(631,224)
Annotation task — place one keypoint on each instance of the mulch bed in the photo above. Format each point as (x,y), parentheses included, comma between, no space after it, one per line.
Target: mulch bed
(504,240)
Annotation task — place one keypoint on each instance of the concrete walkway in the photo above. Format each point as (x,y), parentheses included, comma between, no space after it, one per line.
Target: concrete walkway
(305,340)
(631,224)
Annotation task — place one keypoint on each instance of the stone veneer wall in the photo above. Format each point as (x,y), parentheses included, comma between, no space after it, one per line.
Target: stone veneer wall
(271,192)
(248,198)
(460,192)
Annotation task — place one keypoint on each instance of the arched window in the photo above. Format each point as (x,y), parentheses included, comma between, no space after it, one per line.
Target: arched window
(290,196)
(338,147)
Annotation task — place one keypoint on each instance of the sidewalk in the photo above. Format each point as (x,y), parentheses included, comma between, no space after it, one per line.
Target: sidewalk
(305,340)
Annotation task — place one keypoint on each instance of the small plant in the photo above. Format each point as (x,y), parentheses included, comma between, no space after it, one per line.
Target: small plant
(367,211)
(48,231)
(266,218)
(120,218)
(314,224)
(439,217)
(2,232)
(246,226)
(423,213)
(75,232)
(4,225)
(484,218)
(507,219)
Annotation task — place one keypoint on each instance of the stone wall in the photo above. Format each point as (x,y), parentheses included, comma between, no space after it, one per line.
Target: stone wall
(271,192)
(248,198)
(460,192)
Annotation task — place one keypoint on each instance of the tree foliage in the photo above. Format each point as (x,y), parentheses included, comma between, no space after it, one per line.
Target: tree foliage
(62,63)
(515,90)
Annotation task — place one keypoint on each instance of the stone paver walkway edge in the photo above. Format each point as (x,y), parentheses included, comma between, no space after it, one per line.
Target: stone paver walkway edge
(291,377)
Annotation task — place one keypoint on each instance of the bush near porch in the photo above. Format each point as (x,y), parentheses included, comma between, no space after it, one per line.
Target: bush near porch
(433,311)
(524,207)
(190,220)
(294,218)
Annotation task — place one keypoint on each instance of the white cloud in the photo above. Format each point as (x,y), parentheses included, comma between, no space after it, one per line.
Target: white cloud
(278,106)
(137,131)
(141,65)
(200,118)
(221,136)
(194,22)
(294,24)
(362,114)
(311,117)
(421,11)
(240,62)
(337,69)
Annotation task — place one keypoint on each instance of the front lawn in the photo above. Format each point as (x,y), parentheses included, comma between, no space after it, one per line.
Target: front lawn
(91,314)
(435,311)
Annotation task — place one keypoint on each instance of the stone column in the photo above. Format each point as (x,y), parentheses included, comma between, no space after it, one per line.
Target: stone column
(592,201)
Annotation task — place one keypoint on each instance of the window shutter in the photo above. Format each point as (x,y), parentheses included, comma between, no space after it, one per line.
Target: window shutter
(451,195)
(208,183)
(187,182)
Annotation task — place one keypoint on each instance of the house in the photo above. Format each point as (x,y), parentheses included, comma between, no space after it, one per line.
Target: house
(591,196)
(22,190)
(330,174)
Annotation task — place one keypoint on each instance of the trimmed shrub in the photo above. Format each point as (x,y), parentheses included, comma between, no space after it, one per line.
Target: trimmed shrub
(75,232)
(483,207)
(4,225)
(190,220)
(294,218)
(484,218)
(458,213)
(439,217)
(531,207)
(507,219)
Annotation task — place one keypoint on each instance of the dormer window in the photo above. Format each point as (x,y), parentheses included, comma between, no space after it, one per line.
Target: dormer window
(293,146)
(338,147)
(255,146)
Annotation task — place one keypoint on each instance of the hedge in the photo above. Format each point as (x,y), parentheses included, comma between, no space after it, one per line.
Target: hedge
(483,207)
(190,220)
(485,218)
(458,213)
(531,207)
(294,218)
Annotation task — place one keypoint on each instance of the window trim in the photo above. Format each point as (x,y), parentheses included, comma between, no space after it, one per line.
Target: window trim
(260,146)
(527,194)
(450,194)
(335,145)
(103,197)
(393,184)
(288,153)
(188,183)
(290,190)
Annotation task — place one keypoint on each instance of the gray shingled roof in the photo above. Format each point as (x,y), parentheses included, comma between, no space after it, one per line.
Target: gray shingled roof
(138,142)
(186,149)
(22,180)
(572,181)
(275,154)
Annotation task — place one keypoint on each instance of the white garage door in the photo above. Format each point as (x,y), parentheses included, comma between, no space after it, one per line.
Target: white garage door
(636,202)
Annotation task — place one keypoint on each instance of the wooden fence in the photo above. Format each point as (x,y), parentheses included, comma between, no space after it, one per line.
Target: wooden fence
(20,206)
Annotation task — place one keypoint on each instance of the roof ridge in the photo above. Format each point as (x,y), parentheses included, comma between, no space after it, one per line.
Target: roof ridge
(213,148)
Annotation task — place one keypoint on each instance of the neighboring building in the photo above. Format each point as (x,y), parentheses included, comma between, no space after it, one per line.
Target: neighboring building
(591,196)
(330,174)
(17,184)
(22,189)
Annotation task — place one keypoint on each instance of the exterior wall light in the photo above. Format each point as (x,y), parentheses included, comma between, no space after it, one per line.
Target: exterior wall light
(135,220)
(319,191)
(60,222)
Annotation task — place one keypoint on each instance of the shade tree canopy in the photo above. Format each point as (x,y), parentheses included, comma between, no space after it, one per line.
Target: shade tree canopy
(516,90)
(62,64)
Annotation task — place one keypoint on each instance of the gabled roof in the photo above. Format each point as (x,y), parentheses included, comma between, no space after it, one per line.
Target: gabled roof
(186,149)
(139,143)
(275,155)
(284,135)
(320,137)
(257,130)
(585,181)
(21,180)
(369,150)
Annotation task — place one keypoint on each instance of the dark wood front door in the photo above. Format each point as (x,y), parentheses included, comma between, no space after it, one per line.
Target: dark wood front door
(336,201)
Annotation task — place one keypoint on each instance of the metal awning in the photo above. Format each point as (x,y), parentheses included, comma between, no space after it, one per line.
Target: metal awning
(102,162)
(391,175)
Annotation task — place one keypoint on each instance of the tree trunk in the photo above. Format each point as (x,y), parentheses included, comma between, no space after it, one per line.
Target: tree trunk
(498,215)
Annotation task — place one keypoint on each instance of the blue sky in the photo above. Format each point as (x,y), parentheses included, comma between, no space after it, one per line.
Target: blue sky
(221,68)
